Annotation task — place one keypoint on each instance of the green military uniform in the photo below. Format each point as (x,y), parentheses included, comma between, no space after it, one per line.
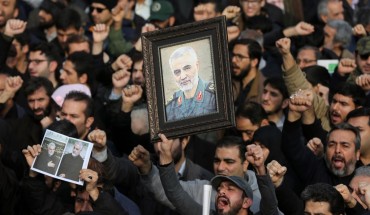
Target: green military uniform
(203,103)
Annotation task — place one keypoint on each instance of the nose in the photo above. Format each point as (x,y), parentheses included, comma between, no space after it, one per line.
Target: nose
(265,96)
(337,149)
(233,59)
(64,38)
(245,137)
(62,75)
(36,105)
(182,75)
(221,166)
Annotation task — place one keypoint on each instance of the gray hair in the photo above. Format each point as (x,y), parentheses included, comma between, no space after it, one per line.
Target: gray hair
(347,127)
(322,8)
(362,171)
(51,145)
(344,32)
(80,144)
(181,52)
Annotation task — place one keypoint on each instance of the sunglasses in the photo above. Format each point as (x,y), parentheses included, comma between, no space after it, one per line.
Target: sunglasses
(364,56)
(98,9)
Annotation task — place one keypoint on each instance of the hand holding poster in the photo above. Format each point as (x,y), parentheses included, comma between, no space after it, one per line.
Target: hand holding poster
(62,157)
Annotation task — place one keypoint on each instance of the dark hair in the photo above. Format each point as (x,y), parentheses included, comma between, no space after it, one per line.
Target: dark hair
(233,141)
(316,50)
(354,91)
(252,111)
(82,63)
(322,192)
(347,127)
(358,112)
(52,7)
(82,97)
(48,49)
(316,74)
(279,84)
(259,22)
(36,83)
(217,4)
(254,48)
(68,18)
(77,39)
(64,127)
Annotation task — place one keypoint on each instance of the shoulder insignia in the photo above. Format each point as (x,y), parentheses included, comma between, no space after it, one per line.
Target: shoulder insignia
(179,100)
(199,96)
(210,87)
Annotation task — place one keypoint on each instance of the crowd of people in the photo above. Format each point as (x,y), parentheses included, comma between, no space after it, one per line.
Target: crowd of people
(301,143)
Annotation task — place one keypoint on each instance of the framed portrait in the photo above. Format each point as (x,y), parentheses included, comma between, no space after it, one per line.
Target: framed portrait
(188,82)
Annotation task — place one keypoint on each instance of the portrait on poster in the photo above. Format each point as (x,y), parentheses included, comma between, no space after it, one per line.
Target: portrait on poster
(188,80)
(62,157)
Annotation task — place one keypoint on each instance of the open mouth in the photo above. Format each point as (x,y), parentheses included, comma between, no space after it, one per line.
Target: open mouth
(222,202)
(338,162)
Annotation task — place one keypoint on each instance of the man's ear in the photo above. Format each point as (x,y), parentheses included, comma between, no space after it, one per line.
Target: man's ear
(25,49)
(263,2)
(285,103)
(53,66)
(247,202)
(89,121)
(254,62)
(171,21)
(83,79)
(324,18)
(185,142)
(264,122)
(16,12)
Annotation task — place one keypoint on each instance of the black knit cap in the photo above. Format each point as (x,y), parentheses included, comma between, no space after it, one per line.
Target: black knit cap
(110,4)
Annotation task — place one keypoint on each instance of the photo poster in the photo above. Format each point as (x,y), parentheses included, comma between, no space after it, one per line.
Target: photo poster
(62,157)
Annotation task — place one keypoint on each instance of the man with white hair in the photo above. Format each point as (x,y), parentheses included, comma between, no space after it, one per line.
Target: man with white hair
(195,97)
(47,161)
(71,163)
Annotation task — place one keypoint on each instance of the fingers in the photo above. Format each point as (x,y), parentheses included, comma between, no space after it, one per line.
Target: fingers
(32,150)
(163,137)
(120,74)
(274,168)
(89,175)
(131,90)
(123,62)
(138,153)
(100,28)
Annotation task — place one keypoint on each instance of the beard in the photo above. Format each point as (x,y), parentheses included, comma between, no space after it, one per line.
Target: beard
(46,24)
(190,85)
(234,209)
(348,168)
(242,74)
(45,113)
(176,154)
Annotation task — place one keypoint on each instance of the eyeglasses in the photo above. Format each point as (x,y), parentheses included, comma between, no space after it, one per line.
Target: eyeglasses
(364,56)
(98,9)
(251,2)
(36,61)
(239,57)
(305,61)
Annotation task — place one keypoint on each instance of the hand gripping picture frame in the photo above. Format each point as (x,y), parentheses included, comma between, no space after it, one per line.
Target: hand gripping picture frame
(188,79)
